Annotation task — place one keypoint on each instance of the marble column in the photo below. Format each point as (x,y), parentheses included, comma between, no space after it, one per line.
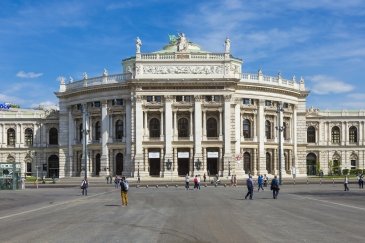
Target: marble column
(220,124)
(261,137)
(295,140)
(104,160)
(128,160)
(168,130)
(227,132)
(197,128)
(162,125)
(204,125)
(191,124)
(71,139)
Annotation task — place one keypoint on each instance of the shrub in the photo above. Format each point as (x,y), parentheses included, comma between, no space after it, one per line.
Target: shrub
(355,171)
(345,171)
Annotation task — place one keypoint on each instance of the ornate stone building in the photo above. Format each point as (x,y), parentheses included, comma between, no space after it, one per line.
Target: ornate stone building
(182,110)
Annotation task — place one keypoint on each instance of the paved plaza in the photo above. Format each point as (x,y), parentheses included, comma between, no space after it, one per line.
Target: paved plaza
(303,213)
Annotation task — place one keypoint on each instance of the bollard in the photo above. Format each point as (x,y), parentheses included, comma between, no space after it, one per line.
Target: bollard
(176,186)
(156,186)
(294,181)
(320,181)
(146,186)
(225,185)
(167,186)
(333,181)
(307,181)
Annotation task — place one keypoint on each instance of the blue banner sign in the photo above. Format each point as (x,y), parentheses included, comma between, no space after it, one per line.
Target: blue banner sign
(5,106)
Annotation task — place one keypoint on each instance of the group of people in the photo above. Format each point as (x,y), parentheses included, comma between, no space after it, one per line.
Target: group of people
(261,181)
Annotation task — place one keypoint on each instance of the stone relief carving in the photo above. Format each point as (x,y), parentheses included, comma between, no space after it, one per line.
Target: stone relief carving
(198,98)
(216,69)
(227,97)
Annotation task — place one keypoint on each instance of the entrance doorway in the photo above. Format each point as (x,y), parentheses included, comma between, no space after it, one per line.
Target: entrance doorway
(53,166)
(119,164)
(183,166)
(311,164)
(212,166)
(97,165)
(154,166)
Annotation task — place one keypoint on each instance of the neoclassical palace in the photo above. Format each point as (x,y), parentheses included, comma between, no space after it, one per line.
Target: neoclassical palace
(178,111)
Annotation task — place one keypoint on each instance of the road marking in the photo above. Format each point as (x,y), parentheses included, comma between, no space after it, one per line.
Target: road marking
(329,202)
(53,205)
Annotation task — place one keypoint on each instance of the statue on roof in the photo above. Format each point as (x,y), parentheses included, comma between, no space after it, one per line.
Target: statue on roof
(182,42)
(138,45)
(173,39)
(85,75)
(227,45)
(105,72)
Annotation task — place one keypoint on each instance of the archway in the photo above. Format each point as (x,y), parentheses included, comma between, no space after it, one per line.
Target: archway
(247,162)
(53,166)
(311,164)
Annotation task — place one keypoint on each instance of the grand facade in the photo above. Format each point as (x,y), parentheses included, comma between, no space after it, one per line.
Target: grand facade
(178,111)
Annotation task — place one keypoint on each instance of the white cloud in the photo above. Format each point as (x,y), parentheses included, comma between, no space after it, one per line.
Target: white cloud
(47,103)
(357,96)
(22,74)
(322,84)
(10,99)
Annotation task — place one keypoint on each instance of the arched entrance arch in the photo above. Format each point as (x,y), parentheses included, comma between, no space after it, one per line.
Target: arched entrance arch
(311,164)
(247,162)
(53,166)
(119,164)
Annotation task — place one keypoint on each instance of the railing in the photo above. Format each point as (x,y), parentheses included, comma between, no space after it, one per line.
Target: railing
(177,56)
(253,77)
(110,79)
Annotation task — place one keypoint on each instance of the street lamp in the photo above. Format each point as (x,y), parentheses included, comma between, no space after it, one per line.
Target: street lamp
(229,168)
(198,164)
(280,129)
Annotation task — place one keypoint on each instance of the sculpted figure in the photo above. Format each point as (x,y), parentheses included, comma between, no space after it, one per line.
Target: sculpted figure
(85,75)
(105,73)
(138,45)
(182,44)
(227,45)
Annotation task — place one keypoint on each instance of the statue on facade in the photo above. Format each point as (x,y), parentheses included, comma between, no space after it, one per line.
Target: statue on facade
(227,45)
(85,75)
(182,42)
(71,79)
(105,73)
(138,45)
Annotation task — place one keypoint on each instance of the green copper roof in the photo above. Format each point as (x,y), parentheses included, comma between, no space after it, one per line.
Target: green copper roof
(192,47)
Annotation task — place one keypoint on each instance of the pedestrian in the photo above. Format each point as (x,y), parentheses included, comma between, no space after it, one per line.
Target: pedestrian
(84,186)
(345,183)
(107,179)
(275,187)
(235,180)
(187,182)
(205,177)
(249,184)
(260,181)
(138,179)
(198,178)
(116,182)
(231,181)
(265,180)
(196,182)
(361,181)
(110,179)
(124,187)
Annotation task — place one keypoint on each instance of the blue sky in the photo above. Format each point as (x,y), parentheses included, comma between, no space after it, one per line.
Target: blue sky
(321,40)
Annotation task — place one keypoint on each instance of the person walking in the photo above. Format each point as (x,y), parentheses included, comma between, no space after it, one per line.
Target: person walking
(361,181)
(198,179)
(345,183)
(275,187)
(187,182)
(84,186)
(234,180)
(260,181)
(124,187)
(196,182)
(249,184)
(265,180)
(205,177)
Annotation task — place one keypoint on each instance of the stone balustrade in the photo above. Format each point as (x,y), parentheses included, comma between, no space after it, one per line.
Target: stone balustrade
(110,79)
(263,79)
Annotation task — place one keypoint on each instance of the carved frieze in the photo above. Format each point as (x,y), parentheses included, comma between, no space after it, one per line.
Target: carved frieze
(183,69)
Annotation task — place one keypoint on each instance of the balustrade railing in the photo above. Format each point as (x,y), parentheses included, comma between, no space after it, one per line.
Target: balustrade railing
(116,78)
(253,77)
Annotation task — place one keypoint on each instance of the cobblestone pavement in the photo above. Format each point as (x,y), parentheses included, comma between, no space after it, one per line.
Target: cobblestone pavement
(302,213)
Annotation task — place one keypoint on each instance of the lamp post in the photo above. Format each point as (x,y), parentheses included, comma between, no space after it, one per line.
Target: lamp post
(280,129)
(85,131)
(169,167)
(229,168)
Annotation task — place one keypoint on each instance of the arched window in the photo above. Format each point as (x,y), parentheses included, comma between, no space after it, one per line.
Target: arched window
(212,128)
(311,134)
(154,128)
(28,137)
(268,129)
(353,134)
(97,130)
(311,164)
(246,128)
(268,163)
(247,162)
(336,135)
(80,131)
(183,127)
(53,136)
(11,137)
(53,166)
(119,129)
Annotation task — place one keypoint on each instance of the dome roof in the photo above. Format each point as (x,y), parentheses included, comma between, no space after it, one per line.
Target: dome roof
(180,44)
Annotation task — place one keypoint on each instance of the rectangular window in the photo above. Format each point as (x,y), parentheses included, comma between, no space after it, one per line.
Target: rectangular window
(179,98)
(119,102)
(187,98)
(149,98)
(285,105)
(158,99)
(246,101)
(97,104)
(79,107)
(353,164)
(267,102)
(208,98)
